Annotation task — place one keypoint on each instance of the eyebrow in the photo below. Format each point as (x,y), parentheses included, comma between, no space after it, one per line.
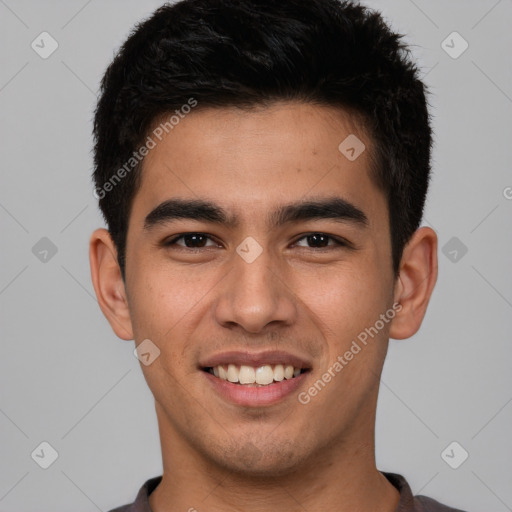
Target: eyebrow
(334,208)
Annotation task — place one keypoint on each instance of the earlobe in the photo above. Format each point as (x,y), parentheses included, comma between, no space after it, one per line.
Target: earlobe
(108,283)
(415,282)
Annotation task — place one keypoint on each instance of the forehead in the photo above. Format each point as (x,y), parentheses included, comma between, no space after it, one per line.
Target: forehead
(247,160)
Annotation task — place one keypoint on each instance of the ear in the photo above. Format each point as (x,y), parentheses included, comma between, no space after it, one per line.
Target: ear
(415,283)
(108,283)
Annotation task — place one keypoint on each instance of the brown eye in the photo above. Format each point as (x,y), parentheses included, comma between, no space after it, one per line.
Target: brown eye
(191,241)
(319,241)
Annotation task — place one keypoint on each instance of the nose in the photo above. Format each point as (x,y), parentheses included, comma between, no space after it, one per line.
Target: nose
(255,295)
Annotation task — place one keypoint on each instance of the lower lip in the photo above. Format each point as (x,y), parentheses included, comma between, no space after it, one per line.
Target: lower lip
(254,396)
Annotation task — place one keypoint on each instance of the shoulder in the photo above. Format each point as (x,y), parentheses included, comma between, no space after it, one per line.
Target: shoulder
(124,508)
(430,505)
(141,503)
(410,503)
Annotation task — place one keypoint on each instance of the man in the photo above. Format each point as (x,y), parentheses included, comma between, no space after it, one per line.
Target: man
(262,168)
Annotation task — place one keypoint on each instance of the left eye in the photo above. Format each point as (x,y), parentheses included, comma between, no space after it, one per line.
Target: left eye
(319,240)
(192,240)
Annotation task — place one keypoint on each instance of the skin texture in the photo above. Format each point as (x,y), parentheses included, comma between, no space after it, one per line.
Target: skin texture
(308,300)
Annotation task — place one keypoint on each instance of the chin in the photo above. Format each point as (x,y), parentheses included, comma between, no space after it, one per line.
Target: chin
(261,461)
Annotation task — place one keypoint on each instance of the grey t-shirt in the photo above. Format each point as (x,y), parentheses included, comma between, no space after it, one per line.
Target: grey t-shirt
(407,503)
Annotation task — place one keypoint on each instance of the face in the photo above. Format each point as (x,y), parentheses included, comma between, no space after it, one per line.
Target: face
(255,244)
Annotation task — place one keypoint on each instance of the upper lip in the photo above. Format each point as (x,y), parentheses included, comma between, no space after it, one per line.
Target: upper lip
(255,359)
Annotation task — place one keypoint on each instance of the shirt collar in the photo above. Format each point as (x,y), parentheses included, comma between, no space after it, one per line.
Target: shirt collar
(407,502)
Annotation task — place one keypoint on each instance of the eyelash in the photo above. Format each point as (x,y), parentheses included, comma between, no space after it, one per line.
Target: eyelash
(338,242)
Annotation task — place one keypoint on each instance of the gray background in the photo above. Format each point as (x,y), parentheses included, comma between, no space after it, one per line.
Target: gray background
(66,379)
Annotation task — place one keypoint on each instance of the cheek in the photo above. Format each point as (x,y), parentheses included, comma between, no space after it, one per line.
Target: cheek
(167,307)
(162,305)
(159,300)
(345,302)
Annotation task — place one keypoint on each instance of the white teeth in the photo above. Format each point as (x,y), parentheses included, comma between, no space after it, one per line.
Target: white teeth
(233,373)
(223,374)
(278,372)
(247,375)
(262,375)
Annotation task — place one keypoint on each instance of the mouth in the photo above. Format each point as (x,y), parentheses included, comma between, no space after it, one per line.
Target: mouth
(255,380)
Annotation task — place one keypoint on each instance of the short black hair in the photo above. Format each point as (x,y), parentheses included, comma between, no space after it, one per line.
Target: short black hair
(246,53)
